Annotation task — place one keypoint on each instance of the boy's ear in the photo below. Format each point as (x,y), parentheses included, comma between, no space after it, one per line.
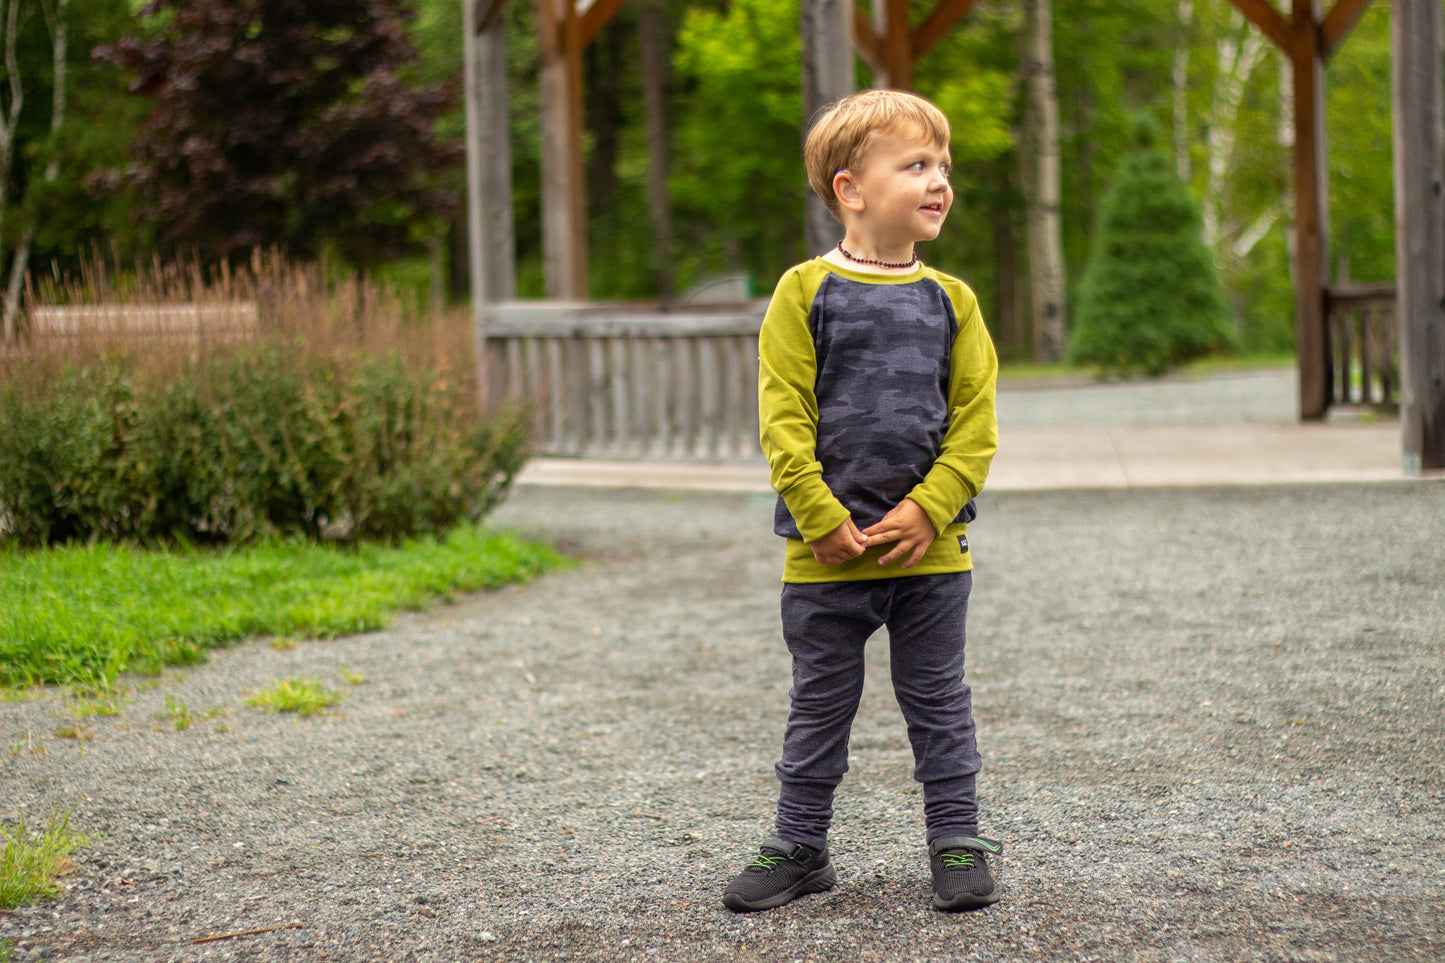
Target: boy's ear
(847,191)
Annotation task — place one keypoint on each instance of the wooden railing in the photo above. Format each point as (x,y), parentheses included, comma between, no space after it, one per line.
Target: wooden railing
(1364,345)
(612,381)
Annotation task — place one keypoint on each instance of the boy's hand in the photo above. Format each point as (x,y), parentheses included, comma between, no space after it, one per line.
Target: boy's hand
(840,545)
(908,526)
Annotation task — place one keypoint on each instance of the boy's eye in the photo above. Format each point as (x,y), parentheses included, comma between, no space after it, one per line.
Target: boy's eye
(945,169)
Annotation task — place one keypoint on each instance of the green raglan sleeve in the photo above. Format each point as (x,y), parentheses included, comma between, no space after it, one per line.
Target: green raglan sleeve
(788,407)
(971,440)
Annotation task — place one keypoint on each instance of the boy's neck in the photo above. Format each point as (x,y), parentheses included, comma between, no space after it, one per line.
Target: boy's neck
(859,253)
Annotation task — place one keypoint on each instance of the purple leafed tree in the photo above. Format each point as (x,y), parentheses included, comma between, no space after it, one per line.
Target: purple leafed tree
(277,122)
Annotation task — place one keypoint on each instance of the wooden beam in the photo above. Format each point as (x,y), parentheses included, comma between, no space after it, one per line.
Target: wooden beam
(865,39)
(947,15)
(1418,79)
(1339,22)
(1263,15)
(1312,231)
(594,15)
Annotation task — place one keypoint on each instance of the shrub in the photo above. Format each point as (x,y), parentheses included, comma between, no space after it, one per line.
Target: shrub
(262,442)
(338,420)
(1150,296)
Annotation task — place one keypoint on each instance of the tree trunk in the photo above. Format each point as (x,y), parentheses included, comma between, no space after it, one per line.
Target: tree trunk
(656,37)
(827,37)
(9,120)
(1181,89)
(1046,256)
(20,266)
(1238,57)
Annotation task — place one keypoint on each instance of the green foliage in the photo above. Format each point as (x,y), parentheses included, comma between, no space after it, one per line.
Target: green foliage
(735,131)
(83,614)
(33,861)
(1150,297)
(100,119)
(1362,203)
(739,183)
(282,123)
(263,440)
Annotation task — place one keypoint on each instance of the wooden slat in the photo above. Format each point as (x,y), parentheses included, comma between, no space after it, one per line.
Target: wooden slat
(667,391)
(556,391)
(688,396)
(622,431)
(709,362)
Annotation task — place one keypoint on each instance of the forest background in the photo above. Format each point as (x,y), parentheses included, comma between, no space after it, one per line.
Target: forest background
(354,128)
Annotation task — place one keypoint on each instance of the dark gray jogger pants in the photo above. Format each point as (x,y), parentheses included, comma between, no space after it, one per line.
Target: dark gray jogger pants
(826,626)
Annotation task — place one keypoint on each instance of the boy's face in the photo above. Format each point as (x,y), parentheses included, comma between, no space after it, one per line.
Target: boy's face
(904,186)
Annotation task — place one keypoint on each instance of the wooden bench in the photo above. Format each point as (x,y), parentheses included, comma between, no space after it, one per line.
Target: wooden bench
(220,319)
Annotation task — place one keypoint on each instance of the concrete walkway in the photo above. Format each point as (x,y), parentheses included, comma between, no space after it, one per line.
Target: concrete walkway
(1238,429)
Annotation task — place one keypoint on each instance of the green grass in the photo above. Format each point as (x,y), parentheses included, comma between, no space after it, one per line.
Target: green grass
(32,862)
(82,615)
(302,696)
(1043,372)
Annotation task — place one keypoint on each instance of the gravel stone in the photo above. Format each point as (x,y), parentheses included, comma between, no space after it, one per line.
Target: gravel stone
(1213,723)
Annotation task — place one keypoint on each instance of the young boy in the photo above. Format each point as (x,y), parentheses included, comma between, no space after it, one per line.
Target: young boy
(876,393)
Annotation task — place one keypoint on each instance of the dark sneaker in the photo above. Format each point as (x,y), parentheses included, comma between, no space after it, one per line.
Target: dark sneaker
(961,880)
(782,872)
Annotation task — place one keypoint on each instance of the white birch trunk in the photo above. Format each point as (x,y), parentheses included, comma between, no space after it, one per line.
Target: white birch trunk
(1237,62)
(9,120)
(1181,88)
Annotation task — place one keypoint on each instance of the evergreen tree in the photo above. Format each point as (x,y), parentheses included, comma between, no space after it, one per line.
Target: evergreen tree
(1150,296)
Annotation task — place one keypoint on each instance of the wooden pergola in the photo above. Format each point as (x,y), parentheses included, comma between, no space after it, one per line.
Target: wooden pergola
(832,31)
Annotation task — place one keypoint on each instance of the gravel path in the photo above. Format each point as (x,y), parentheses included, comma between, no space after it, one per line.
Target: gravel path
(1214,725)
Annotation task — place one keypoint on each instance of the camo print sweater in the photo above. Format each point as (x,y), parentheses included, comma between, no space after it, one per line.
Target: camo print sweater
(874,388)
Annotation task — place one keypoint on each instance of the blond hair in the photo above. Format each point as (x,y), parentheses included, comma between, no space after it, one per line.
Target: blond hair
(844,132)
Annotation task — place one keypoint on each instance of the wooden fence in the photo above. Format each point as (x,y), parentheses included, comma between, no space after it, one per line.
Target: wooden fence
(608,381)
(1363,341)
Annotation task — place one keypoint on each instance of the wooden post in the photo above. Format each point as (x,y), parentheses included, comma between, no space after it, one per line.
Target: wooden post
(564,204)
(1311,210)
(490,236)
(491,244)
(827,30)
(890,21)
(1417,39)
